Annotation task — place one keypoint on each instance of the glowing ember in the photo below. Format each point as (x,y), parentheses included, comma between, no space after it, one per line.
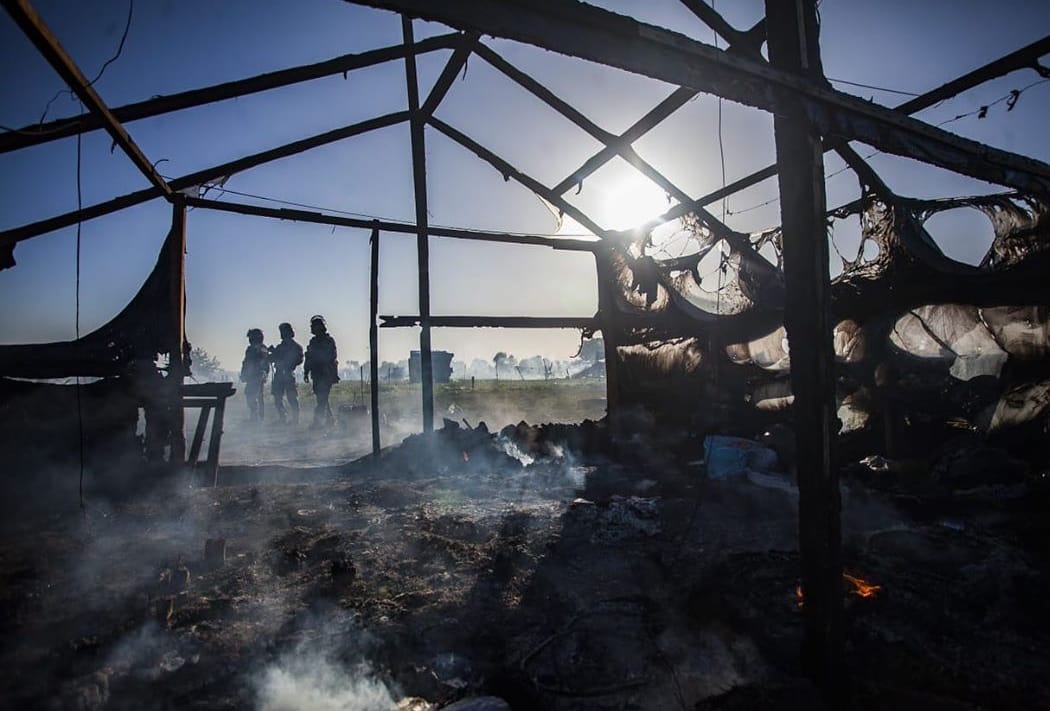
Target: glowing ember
(861,587)
(857,586)
(466,457)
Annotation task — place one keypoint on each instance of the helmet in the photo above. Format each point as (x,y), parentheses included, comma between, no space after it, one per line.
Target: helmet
(255,334)
(286,328)
(318,317)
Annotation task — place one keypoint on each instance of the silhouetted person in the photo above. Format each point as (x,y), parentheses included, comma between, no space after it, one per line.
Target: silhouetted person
(322,366)
(254,368)
(286,357)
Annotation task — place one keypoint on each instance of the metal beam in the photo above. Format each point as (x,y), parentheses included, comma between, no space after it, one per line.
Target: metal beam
(319,218)
(49,47)
(17,234)
(35,134)
(587,32)
(584,323)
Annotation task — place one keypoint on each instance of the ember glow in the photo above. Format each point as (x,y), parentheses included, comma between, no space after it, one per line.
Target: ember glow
(857,586)
(861,587)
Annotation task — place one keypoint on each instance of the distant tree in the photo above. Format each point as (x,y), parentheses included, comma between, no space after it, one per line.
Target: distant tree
(503,360)
(205,366)
(592,350)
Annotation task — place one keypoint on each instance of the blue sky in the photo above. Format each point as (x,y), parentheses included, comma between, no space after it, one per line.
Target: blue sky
(246,271)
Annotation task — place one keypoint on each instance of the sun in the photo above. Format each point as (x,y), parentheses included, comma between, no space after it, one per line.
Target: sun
(633,202)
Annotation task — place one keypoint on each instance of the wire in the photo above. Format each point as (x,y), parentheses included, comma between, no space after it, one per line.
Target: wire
(76,325)
(876,88)
(105,65)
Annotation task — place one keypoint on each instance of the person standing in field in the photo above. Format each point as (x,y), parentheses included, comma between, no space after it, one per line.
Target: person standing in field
(286,357)
(321,365)
(254,369)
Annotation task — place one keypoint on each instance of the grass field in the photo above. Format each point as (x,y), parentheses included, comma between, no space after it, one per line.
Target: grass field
(400,407)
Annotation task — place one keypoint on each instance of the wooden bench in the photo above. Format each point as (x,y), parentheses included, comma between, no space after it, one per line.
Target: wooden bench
(208,397)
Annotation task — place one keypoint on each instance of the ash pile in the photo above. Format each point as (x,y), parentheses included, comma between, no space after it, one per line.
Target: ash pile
(551,567)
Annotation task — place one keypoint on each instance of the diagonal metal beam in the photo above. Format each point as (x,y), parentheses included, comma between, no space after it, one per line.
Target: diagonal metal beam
(587,32)
(448,75)
(50,224)
(35,134)
(49,47)
(509,171)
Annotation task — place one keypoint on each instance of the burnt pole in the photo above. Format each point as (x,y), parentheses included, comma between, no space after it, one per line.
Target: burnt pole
(373,339)
(792,28)
(177,331)
(419,184)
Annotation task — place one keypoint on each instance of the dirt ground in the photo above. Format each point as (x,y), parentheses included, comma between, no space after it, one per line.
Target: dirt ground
(449,568)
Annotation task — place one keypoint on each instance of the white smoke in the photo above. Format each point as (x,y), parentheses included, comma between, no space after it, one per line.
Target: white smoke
(311,680)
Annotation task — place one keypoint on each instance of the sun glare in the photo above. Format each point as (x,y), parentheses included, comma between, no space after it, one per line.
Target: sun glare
(633,202)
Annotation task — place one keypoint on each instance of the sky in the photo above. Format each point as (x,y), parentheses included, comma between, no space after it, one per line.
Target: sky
(245,271)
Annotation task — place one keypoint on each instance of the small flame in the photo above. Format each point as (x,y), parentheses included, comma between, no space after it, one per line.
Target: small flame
(861,587)
(858,586)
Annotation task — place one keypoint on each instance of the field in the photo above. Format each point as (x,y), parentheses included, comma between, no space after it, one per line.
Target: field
(496,403)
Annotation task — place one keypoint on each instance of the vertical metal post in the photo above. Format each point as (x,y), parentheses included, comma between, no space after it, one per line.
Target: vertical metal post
(419,182)
(792,28)
(373,339)
(177,326)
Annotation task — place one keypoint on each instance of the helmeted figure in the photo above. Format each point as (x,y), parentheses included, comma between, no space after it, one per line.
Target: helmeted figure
(286,357)
(321,365)
(254,369)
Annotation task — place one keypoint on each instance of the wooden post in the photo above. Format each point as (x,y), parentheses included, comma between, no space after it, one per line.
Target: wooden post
(607,312)
(373,340)
(176,361)
(419,183)
(214,442)
(793,46)
(177,321)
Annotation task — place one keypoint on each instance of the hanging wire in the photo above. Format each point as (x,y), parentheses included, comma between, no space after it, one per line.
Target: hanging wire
(1011,98)
(102,70)
(872,86)
(76,326)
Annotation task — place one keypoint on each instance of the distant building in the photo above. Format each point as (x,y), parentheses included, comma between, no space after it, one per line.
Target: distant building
(442,364)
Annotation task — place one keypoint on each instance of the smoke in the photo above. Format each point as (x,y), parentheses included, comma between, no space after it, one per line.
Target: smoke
(312,678)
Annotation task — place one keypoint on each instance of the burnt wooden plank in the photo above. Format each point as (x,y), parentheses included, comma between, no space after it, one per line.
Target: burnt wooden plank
(26,17)
(588,32)
(794,46)
(587,322)
(283,213)
(38,133)
(373,338)
(419,187)
(50,224)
